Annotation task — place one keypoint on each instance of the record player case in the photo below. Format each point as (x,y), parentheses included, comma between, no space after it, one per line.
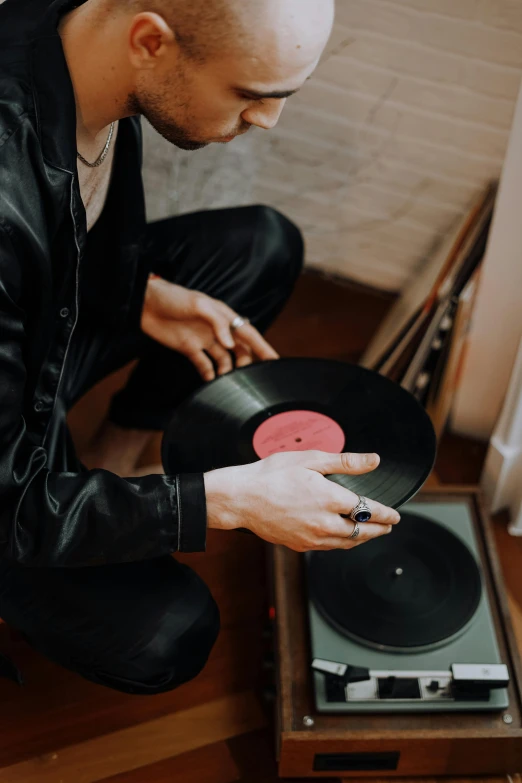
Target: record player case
(312,744)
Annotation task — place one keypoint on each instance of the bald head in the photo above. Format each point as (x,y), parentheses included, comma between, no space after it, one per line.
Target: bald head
(204,71)
(206,28)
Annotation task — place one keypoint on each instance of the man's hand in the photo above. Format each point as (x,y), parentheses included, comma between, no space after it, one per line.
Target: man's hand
(285,499)
(198,326)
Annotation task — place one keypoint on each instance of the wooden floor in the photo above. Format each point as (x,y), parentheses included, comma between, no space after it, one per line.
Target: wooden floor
(217,729)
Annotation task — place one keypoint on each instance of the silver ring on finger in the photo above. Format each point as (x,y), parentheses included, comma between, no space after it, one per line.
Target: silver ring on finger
(238,322)
(356,531)
(362,511)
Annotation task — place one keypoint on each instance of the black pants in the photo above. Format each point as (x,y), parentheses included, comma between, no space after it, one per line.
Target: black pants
(147,627)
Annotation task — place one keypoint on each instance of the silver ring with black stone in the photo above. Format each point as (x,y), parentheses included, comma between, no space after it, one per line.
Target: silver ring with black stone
(362,511)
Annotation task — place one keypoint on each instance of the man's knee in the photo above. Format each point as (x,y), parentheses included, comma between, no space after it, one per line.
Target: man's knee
(282,242)
(170,657)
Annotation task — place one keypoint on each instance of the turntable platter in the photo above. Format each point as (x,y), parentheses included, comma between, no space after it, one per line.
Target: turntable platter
(415,588)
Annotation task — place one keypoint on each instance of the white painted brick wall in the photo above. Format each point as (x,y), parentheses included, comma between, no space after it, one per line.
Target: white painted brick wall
(406,117)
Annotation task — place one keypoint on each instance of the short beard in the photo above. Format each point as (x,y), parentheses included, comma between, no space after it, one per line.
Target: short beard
(169,130)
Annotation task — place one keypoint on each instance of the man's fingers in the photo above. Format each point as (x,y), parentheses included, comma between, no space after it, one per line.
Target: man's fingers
(339,539)
(341,527)
(358,542)
(220,325)
(223,333)
(203,365)
(351,543)
(243,355)
(349,463)
(343,501)
(367,530)
(345,542)
(221,357)
(217,316)
(251,337)
(221,316)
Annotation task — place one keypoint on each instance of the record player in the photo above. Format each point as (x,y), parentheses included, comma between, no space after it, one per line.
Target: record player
(430,692)
(403,624)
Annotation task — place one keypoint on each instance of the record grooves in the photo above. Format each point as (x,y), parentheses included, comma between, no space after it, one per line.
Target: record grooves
(329,405)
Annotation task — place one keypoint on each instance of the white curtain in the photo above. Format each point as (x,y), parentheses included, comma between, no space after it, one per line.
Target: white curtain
(502,477)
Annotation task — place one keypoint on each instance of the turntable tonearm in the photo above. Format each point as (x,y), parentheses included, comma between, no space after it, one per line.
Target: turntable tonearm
(411,607)
(450,675)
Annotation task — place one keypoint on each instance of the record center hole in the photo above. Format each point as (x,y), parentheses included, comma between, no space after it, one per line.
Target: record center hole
(398,572)
(298,440)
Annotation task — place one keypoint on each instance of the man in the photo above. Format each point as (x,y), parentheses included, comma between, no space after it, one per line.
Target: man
(86,286)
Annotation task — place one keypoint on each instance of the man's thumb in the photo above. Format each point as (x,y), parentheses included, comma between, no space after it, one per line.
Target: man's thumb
(351,463)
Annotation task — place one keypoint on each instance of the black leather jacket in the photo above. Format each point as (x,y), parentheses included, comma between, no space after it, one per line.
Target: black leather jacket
(50,518)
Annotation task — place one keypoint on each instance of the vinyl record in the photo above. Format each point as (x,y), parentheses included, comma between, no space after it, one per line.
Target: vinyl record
(413,590)
(301,404)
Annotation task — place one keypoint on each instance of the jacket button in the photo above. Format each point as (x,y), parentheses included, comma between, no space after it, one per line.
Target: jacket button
(64,312)
(38,406)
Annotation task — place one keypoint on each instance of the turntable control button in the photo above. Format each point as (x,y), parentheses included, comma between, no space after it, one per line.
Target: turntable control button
(334,688)
(356,674)
(386,686)
(398,688)
(434,686)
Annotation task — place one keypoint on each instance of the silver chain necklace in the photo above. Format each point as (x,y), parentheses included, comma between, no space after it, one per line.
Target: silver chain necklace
(103,154)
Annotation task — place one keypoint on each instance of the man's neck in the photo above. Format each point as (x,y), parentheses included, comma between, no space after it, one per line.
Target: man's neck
(98,69)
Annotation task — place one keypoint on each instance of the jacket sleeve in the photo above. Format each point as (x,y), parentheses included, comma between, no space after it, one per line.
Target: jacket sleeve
(76,519)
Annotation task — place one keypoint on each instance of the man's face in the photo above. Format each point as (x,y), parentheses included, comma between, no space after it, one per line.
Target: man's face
(194,104)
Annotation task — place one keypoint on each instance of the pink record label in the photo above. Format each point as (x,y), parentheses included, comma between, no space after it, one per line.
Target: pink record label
(298,431)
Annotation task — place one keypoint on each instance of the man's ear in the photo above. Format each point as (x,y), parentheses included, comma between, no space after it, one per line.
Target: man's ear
(150,40)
